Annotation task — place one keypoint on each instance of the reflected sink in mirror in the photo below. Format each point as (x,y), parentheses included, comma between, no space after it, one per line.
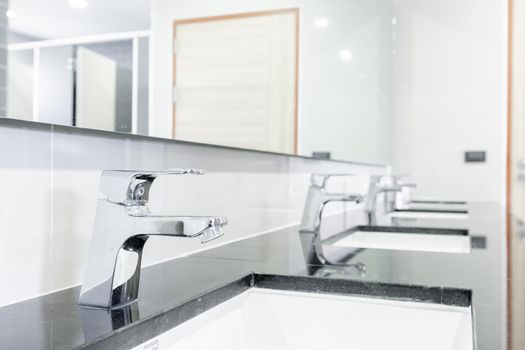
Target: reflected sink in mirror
(406,238)
(275,319)
(442,214)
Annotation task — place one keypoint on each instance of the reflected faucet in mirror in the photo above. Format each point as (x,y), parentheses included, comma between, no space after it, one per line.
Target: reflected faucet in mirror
(123,224)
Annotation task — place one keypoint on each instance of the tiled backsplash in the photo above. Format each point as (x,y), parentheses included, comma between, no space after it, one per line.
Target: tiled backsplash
(50,180)
(4,5)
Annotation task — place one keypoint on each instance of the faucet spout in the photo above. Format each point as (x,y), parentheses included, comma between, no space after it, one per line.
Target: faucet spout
(207,228)
(121,230)
(374,189)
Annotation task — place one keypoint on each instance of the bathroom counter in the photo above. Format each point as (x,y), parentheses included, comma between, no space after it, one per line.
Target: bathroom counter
(175,290)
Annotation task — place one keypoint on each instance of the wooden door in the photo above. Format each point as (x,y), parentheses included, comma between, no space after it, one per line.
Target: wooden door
(235,80)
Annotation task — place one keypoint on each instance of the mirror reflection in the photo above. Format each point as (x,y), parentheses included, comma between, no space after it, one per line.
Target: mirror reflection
(365,81)
(305,77)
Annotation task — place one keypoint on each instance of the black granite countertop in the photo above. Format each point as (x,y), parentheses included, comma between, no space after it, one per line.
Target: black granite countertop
(171,292)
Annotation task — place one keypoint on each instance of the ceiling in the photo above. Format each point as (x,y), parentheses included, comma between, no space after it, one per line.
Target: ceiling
(51,19)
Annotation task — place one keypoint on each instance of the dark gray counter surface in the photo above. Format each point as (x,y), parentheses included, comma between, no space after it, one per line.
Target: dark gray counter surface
(56,322)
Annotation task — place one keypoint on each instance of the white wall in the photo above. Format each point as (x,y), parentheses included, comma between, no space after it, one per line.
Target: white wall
(419,92)
(52,173)
(517,113)
(449,89)
(344,107)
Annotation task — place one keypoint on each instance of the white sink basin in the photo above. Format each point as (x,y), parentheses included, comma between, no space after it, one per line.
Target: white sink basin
(407,241)
(437,206)
(271,319)
(428,215)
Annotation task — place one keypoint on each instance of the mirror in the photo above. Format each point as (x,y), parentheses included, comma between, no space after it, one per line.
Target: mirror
(347,80)
(280,78)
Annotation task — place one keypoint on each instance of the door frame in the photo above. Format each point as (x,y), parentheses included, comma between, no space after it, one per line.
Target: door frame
(294,11)
(509,171)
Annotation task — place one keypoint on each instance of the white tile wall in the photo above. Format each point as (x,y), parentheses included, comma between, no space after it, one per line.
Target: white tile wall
(50,191)
(25,212)
(449,76)
(4,5)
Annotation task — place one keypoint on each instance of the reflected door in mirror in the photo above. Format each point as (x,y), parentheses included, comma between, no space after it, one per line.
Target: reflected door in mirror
(235,80)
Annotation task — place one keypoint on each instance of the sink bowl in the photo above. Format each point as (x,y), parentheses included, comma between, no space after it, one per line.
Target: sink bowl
(437,205)
(405,238)
(277,319)
(445,202)
(444,214)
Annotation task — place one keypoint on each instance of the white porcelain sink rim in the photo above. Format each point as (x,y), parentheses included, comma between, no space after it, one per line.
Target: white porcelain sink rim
(437,206)
(184,332)
(428,215)
(407,241)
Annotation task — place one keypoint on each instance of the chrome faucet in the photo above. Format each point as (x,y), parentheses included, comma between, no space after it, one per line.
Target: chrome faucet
(374,189)
(403,181)
(317,199)
(403,198)
(123,224)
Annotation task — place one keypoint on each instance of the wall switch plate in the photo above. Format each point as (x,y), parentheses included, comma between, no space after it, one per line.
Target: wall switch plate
(475,156)
(321,155)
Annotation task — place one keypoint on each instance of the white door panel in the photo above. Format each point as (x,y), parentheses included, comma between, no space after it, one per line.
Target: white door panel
(235,81)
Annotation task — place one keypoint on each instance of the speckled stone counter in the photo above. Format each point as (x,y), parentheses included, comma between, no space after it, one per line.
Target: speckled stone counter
(181,288)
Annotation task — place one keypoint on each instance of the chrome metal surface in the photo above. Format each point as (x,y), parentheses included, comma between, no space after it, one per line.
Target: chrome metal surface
(403,198)
(132,187)
(404,181)
(357,269)
(377,186)
(123,224)
(317,199)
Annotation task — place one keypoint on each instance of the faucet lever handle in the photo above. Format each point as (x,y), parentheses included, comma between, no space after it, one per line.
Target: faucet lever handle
(130,187)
